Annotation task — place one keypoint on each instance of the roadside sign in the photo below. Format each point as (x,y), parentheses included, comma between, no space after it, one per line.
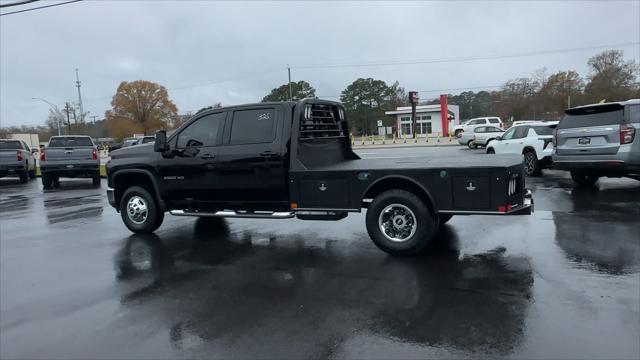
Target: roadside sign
(379,123)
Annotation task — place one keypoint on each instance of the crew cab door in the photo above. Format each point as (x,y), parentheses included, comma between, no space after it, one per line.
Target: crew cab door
(190,175)
(252,165)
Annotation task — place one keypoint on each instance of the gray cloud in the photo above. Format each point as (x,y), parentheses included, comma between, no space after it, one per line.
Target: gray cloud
(192,47)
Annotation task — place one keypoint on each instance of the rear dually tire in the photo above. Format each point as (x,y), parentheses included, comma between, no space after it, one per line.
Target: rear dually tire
(400,223)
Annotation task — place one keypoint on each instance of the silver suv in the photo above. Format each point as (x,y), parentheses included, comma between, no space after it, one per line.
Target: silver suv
(599,140)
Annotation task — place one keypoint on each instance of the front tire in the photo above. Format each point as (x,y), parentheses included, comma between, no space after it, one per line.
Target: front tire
(582,179)
(471,144)
(458,133)
(47,181)
(400,223)
(140,211)
(96,179)
(531,165)
(490,151)
(24,177)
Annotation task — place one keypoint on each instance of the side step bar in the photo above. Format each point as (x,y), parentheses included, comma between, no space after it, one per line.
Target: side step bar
(235,214)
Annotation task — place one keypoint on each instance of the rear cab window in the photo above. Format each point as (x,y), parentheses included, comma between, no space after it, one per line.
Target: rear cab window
(253,126)
(70,141)
(601,115)
(10,145)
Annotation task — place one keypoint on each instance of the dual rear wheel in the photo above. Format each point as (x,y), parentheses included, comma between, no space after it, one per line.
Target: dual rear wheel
(400,223)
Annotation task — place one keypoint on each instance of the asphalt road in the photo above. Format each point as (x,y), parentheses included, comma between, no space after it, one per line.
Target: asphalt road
(562,283)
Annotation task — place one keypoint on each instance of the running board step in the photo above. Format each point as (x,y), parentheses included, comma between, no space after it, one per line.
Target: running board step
(235,214)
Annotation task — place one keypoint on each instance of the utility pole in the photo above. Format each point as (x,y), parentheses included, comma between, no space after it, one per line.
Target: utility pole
(290,90)
(79,96)
(66,110)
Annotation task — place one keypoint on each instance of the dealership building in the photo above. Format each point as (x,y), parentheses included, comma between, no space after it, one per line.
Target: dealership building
(429,120)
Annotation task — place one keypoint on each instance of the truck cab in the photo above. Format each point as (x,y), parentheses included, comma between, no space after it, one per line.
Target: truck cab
(294,159)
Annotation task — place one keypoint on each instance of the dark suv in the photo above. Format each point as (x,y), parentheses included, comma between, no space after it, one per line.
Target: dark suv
(599,140)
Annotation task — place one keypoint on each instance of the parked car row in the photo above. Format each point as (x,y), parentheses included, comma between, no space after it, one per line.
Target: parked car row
(591,141)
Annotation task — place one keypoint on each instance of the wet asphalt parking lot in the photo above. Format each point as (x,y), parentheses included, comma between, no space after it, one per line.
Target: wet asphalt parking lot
(562,283)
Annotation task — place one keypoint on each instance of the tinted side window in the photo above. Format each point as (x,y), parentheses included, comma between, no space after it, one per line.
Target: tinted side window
(521,132)
(634,113)
(202,132)
(494,121)
(543,130)
(495,129)
(509,134)
(480,129)
(253,126)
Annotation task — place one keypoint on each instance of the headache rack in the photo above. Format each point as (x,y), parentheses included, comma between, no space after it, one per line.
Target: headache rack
(322,121)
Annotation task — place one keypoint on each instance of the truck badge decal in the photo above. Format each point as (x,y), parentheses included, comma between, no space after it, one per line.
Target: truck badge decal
(264,116)
(323,187)
(470,186)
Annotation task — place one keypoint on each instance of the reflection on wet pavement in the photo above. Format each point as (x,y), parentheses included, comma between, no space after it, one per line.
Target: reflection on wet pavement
(320,293)
(603,231)
(562,283)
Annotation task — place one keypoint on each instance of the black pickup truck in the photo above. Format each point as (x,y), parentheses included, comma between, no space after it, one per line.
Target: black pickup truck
(294,159)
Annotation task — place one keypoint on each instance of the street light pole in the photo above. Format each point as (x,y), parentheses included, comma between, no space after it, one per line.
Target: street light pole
(55,108)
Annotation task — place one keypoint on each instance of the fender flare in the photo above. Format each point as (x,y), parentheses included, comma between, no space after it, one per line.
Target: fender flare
(403,178)
(152,178)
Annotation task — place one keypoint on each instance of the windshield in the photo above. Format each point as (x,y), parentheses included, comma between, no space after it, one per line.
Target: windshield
(10,145)
(70,141)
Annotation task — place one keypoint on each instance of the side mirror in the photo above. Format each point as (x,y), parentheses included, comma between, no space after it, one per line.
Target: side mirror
(161,145)
(498,137)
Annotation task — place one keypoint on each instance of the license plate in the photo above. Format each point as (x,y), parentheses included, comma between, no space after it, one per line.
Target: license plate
(584,141)
(69,166)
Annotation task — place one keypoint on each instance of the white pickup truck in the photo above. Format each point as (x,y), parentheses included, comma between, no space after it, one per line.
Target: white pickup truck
(73,156)
(16,159)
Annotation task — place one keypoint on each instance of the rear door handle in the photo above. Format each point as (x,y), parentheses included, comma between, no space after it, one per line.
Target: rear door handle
(207,156)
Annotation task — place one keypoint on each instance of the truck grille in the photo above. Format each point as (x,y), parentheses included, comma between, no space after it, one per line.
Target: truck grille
(322,121)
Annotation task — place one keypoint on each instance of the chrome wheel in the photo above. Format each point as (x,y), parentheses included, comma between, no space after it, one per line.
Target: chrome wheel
(397,222)
(529,163)
(137,210)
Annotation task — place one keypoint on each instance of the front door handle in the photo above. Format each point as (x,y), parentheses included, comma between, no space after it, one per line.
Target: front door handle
(207,156)
(266,153)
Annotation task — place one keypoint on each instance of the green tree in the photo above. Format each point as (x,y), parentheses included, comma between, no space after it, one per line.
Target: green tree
(612,78)
(300,90)
(365,101)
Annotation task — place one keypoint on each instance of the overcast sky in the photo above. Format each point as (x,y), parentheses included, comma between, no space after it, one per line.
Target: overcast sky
(192,47)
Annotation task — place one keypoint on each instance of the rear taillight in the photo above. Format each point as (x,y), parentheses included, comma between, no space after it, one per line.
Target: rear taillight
(42,157)
(19,155)
(554,139)
(94,154)
(627,133)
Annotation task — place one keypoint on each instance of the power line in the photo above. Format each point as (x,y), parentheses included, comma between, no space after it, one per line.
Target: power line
(40,7)
(24,2)
(457,59)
